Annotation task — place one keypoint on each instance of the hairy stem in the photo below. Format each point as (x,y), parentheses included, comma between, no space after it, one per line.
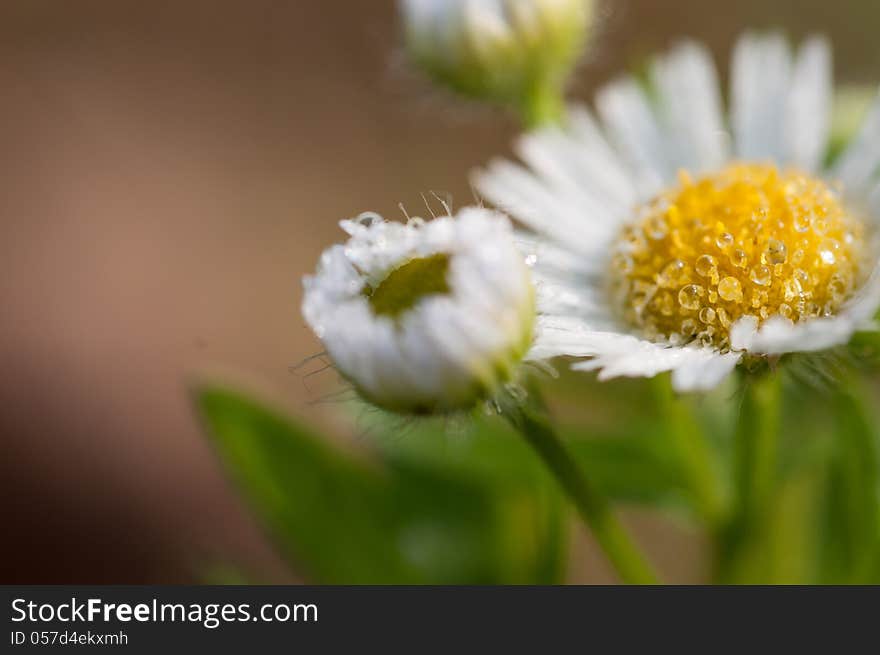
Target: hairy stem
(593,507)
(695,455)
(754,481)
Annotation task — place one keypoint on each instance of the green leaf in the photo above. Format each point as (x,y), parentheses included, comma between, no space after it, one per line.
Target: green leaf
(316,501)
(403,520)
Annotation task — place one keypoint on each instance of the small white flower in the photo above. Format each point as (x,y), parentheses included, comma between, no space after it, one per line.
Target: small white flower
(674,236)
(424,317)
(503,50)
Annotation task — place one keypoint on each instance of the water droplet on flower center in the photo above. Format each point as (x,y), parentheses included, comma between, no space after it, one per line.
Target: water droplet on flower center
(749,239)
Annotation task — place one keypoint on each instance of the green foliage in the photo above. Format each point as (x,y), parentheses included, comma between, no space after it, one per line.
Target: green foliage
(796,470)
(413,518)
(639,469)
(818,518)
(850,544)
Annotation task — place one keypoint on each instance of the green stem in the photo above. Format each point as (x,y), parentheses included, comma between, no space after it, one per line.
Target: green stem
(543,105)
(698,462)
(757,445)
(592,506)
(853,556)
(754,480)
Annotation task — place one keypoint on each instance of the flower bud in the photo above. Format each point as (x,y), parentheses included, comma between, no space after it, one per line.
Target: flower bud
(516,53)
(426,317)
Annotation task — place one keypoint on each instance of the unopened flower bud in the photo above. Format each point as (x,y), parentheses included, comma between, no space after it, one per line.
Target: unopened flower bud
(424,317)
(517,53)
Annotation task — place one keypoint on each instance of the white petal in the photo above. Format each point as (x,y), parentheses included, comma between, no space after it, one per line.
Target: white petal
(860,161)
(602,164)
(760,82)
(706,371)
(571,336)
(778,335)
(690,97)
(863,307)
(622,355)
(742,333)
(694,369)
(562,262)
(547,156)
(629,118)
(519,193)
(809,106)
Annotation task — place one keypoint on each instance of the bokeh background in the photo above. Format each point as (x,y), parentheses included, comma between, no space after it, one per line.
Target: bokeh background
(170,169)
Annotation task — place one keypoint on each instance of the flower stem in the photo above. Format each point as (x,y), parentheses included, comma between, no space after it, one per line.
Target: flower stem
(543,105)
(757,443)
(754,479)
(698,462)
(593,507)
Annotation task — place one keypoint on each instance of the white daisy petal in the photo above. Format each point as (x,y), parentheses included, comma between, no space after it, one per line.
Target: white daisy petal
(760,82)
(514,190)
(874,202)
(603,167)
(693,368)
(779,335)
(629,118)
(705,372)
(860,162)
(543,152)
(690,97)
(864,306)
(809,105)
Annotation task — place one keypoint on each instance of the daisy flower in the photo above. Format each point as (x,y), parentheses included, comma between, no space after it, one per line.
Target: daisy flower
(424,317)
(672,235)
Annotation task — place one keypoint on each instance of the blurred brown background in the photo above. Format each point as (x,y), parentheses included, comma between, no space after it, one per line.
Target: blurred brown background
(170,170)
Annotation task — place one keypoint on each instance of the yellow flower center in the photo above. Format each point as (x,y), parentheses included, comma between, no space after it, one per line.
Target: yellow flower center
(749,240)
(407,284)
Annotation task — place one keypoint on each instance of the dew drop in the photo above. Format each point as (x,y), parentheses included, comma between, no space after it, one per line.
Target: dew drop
(828,251)
(739,258)
(837,287)
(801,222)
(368,218)
(730,289)
(656,228)
(707,315)
(791,289)
(777,253)
(705,264)
(671,273)
(760,275)
(724,240)
(689,296)
(705,337)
